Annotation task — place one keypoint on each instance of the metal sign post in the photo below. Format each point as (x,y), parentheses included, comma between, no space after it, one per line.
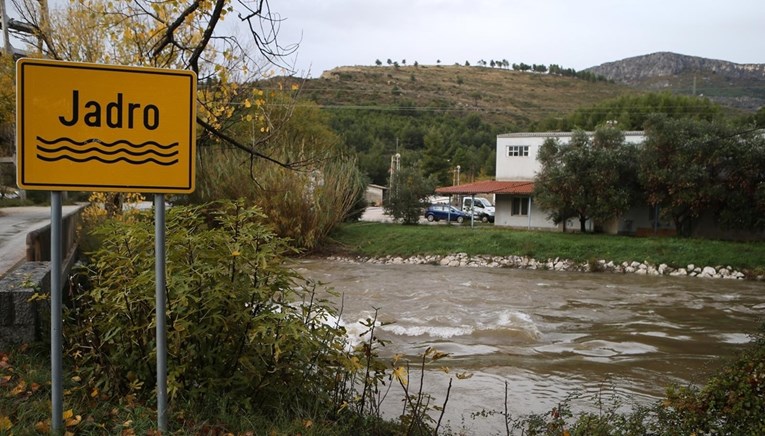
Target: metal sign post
(92,127)
(56,323)
(159,268)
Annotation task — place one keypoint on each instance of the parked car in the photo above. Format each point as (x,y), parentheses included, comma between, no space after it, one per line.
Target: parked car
(438,212)
(482,208)
(6,192)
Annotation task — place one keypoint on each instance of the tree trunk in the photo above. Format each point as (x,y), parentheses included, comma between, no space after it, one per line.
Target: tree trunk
(582,224)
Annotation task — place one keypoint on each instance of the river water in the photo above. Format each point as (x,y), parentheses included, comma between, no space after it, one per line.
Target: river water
(547,334)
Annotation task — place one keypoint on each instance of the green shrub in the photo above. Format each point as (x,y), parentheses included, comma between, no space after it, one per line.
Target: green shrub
(240,325)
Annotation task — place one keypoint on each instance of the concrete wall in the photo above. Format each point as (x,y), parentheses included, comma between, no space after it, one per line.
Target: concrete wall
(504,217)
(515,168)
(21,320)
(38,241)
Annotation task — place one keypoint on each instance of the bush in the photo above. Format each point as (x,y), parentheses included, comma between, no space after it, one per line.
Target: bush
(240,325)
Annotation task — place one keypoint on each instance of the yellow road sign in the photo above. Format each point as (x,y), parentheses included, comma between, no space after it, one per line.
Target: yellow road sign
(91,127)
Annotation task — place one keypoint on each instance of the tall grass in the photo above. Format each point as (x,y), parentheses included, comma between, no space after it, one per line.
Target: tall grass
(305,199)
(303,205)
(378,239)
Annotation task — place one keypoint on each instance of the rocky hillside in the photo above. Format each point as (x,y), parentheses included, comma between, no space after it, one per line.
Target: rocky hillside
(740,86)
(495,94)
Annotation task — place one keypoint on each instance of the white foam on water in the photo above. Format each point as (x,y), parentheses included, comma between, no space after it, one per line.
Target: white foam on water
(734,338)
(515,321)
(443,332)
(725,297)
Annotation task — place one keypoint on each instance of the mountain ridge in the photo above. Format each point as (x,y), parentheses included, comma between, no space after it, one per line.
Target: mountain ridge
(741,86)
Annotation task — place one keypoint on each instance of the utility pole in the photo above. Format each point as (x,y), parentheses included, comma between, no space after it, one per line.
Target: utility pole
(7,48)
(694,85)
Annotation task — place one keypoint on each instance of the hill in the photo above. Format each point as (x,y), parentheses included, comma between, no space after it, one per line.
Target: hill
(741,86)
(438,117)
(498,95)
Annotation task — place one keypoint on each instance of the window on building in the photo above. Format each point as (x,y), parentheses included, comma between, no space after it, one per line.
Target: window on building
(520,206)
(517,150)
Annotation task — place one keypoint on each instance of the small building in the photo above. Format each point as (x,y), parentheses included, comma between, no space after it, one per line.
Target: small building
(375,194)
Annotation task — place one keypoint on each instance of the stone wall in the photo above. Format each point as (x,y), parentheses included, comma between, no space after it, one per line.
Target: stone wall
(21,316)
(557,264)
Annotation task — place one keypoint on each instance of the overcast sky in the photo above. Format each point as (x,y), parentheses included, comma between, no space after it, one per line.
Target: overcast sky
(573,34)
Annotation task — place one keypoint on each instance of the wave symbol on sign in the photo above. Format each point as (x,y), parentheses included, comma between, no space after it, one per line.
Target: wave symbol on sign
(107,152)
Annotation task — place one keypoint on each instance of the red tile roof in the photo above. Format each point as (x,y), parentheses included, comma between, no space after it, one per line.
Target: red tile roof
(525,187)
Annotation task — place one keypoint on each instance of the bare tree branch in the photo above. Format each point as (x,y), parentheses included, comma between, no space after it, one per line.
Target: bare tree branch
(168,38)
(250,150)
(214,18)
(264,27)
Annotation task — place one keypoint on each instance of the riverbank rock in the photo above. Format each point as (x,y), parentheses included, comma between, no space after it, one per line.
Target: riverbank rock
(557,264)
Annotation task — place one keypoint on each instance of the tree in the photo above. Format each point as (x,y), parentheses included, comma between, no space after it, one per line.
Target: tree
(180,35)
(742,171)
(759,118)
(435,161)
(407,196)
(690,167)
(633,111)
(378,62)
(591,178)
(676,169)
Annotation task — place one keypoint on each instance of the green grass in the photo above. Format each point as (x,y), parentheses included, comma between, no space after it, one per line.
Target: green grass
(377,239)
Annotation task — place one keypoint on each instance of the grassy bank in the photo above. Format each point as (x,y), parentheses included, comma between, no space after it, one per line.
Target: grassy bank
(379,239)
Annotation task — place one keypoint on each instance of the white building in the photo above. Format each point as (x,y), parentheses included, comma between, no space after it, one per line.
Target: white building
(516,161)
(513,188)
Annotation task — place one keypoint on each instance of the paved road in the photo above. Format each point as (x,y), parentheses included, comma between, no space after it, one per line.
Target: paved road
(375,214)
(15,223)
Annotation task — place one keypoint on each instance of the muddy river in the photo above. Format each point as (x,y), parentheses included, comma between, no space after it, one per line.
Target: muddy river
(547,334)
